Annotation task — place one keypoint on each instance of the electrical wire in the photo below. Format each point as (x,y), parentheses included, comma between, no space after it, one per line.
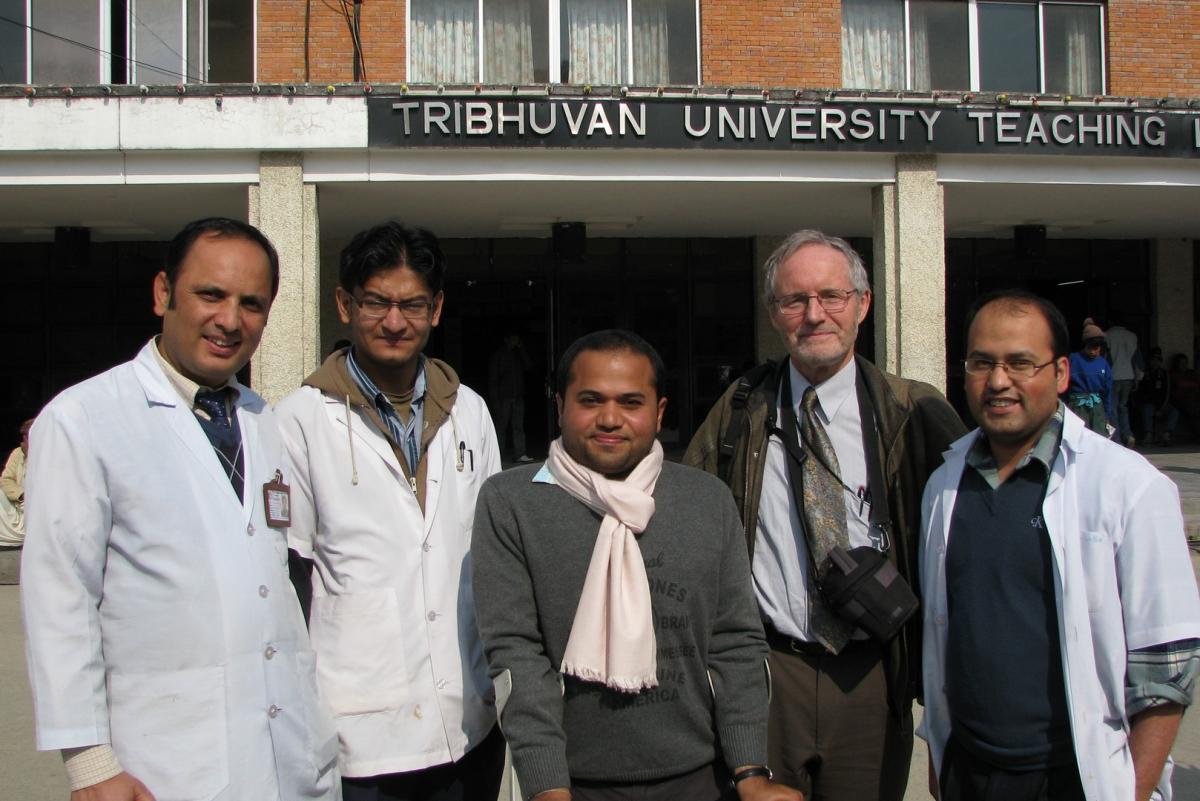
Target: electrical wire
(101,51)
(360,65)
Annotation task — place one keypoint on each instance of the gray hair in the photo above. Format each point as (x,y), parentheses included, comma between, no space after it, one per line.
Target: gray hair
(809,236)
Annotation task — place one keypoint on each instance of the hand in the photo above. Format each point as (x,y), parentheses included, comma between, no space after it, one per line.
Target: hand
(760,788)
(558,794)
(121,787)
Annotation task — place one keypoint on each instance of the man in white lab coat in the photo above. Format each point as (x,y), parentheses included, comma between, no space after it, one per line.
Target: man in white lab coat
(387,451)
(1060,609)
(166,648)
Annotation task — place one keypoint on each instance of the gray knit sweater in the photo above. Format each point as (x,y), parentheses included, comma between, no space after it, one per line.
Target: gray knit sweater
(531,547)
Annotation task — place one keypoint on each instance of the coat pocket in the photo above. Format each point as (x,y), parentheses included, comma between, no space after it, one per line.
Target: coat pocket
(359,642)
(1099,567)
(169,731)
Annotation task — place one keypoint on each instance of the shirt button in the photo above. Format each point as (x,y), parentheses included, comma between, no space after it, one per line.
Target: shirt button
(274,711)
(417,711)
(250,530)
(263,592)
(270,652)
(431,616)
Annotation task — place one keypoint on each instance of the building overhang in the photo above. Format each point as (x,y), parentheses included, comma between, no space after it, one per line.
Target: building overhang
(136,162)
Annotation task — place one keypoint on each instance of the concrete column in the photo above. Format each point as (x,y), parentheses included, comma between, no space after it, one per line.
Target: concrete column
(284,208)
(767,344)
(910,272)
(1174,317)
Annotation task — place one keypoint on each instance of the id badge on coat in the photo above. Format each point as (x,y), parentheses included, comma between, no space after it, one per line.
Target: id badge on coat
(277,501)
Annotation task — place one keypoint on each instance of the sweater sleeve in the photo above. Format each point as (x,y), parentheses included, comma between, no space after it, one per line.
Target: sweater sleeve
(737,653)
(10,481)
(506,611)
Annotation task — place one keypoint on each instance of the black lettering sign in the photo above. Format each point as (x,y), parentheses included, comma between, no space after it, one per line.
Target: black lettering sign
(490,122)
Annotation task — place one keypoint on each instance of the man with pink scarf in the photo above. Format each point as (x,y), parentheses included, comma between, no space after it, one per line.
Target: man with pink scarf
(613,596)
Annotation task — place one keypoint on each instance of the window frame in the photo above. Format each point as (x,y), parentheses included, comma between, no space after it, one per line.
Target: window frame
(973,40)
(554,28)
(105,55)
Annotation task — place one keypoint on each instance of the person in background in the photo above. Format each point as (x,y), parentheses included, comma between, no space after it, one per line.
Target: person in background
(1090,391)
(506,389)
(1159,415)
(12,484)
(1126,372)
(1185,392)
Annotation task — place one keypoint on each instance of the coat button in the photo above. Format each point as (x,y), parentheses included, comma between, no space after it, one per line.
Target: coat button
(427,547)
(270,652)
(250,530)
(274,711)
(263,592)
(441,685)
(431,616)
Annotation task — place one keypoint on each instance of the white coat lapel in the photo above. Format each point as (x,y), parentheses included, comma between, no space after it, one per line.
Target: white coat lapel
(956,462)
(251,453)
(436,463)
(162,398)
(364,431)
(1056,500)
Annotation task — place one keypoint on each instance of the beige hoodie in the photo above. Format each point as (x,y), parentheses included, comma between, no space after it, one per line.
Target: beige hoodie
(332,378)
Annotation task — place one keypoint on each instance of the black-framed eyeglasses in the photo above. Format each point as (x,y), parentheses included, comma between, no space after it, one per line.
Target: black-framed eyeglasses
(831,300)
(373,308)
(1019,369)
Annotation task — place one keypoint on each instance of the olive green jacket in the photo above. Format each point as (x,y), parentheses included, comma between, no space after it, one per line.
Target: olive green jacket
(915,425)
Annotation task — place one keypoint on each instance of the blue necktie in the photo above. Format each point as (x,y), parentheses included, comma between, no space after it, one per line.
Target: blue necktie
(223,432)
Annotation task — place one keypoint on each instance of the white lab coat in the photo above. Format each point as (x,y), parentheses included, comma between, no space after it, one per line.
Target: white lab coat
(157,608)
(393,615)
(1122,578)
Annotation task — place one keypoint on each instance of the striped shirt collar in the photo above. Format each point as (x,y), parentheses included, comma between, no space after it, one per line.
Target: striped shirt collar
(403,434)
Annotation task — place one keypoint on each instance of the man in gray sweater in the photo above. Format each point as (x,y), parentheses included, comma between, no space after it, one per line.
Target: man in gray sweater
(613,589)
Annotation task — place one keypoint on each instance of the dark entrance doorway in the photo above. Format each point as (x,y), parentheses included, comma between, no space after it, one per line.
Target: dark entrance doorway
(1083,277)
(690,298)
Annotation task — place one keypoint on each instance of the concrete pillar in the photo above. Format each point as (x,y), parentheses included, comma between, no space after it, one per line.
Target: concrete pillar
(284,208)
(1174,316)
(767,344)
(910,272)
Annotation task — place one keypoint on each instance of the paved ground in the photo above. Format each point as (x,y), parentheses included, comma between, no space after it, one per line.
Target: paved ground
(26,775)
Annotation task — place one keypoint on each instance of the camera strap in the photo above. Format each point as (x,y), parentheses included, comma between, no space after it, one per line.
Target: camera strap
(789,435)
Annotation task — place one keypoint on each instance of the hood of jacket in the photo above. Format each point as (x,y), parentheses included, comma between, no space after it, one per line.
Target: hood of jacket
(441,390)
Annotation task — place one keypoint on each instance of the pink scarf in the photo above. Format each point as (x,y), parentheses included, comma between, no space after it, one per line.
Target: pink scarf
(612,638)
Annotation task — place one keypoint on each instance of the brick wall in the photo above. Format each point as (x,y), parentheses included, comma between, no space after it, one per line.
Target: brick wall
(1154,48)
(330,54)
(752,43)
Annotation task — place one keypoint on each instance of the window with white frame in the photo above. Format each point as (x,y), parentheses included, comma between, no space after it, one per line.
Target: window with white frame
(1053,46)
(126,41)
(606,42)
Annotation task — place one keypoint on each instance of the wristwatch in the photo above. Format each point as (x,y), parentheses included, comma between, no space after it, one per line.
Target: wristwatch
(749,773)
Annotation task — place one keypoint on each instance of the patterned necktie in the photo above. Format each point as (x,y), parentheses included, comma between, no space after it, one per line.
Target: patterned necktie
(223,432)
(824,519)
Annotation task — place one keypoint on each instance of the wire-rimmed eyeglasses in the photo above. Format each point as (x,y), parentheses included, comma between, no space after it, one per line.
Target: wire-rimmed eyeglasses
(831,300)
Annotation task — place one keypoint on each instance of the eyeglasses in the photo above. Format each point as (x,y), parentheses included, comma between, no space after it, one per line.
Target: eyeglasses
(831,300)
(414,311)
(1017,369)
